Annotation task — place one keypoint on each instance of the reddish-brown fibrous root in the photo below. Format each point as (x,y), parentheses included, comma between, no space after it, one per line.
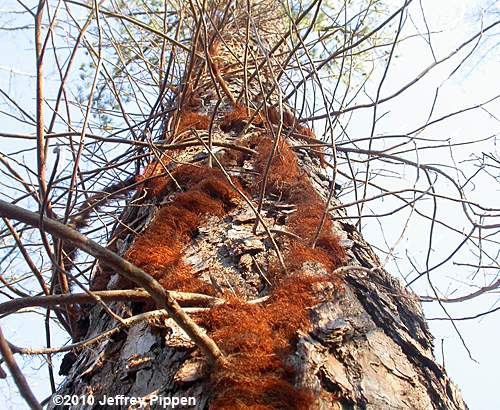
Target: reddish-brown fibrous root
(257,339)
(155,177)
(158,250)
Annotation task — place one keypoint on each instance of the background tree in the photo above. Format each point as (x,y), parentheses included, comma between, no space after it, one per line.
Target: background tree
(240,90)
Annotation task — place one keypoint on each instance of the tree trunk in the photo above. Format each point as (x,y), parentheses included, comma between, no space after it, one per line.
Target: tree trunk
(354,338)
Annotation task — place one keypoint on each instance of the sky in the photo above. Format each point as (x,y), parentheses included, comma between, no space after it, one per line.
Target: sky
(476,81)
(454,21)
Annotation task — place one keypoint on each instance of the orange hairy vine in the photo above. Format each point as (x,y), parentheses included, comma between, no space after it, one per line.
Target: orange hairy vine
(190,120)
(154,179)
(287,183)
(258,341)
(154,176)
(158,250)
(236,119)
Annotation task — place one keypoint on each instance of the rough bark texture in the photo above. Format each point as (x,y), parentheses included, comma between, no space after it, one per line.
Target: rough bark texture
(367,345)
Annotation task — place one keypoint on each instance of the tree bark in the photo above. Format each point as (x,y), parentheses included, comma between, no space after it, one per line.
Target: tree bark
(366,345)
